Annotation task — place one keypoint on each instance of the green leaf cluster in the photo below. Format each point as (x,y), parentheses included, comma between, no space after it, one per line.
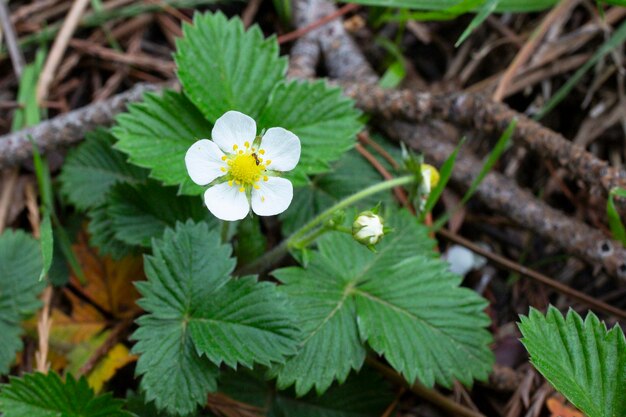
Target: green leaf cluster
(580,358)
(20,266)
(223,67)
(46,395)
(199,318)
(401,302)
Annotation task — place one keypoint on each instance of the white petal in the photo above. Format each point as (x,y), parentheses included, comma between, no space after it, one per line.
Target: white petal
(282,148)
(233,128)
(273,196)
(226,203)
(204,160)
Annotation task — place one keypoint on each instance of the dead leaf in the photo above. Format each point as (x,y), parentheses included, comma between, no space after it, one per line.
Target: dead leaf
(558,408)
(118,357)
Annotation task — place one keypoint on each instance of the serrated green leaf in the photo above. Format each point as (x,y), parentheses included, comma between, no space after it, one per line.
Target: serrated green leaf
(199,317)
(46,395)
(141,212)
(350,174)
(92,168)
(139,407)
(582,360)
(327,294)
(224,67)
(156,134)
(325,121)
(20,267)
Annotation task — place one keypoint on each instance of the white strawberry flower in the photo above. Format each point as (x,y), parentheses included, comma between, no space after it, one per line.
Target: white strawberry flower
(242,168)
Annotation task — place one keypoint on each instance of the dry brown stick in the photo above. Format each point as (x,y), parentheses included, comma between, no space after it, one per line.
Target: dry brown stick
(298,33)
(69,128)
(525,53)
(17,59)
(138,60)
(117,333)
(58,48)
(481,113)
(247,17)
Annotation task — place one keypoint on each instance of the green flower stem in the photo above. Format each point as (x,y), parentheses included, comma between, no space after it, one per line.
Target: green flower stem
(374,189)
(306,234)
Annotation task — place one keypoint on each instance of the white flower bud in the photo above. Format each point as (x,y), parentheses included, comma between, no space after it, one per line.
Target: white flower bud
(368,228)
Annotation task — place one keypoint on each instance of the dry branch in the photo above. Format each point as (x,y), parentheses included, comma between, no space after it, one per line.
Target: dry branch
(481,113)
(67,129)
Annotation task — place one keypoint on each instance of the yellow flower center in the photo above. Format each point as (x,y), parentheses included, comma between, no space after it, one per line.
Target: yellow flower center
(245,167)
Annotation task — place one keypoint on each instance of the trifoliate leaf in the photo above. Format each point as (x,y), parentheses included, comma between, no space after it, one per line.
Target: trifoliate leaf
(92,168)
(581,359)
(352,173)
(156,134)
(325,121)
(141,212)
(199,317)
(39,395)
(20,266)
(364,394)
(223,67)
(401,300)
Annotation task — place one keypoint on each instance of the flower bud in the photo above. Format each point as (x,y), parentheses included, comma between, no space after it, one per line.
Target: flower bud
(430,178)
(368,228)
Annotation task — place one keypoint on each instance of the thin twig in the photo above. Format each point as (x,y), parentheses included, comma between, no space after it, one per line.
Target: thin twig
(525,53)
(288,37)
(9,33)
(58,48)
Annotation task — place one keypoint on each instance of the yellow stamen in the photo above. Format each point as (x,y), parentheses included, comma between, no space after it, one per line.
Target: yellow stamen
(242,189)
(224,158)
(230,183)
(235,147)
(262,151)
(267,162)
(246,144)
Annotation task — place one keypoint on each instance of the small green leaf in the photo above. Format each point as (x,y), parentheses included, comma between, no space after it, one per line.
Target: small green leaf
(20,267)
(46,395)
(486,9)
(224,67)
(156,134)
(581,359)
(92,168)
(325,121)
(615,222)
(199,317)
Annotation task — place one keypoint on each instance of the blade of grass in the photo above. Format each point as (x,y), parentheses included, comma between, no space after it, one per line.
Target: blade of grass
(488,7)
(617,39)
(503,6)
(444,176)
(615,222)
(463,6)
(494,156)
